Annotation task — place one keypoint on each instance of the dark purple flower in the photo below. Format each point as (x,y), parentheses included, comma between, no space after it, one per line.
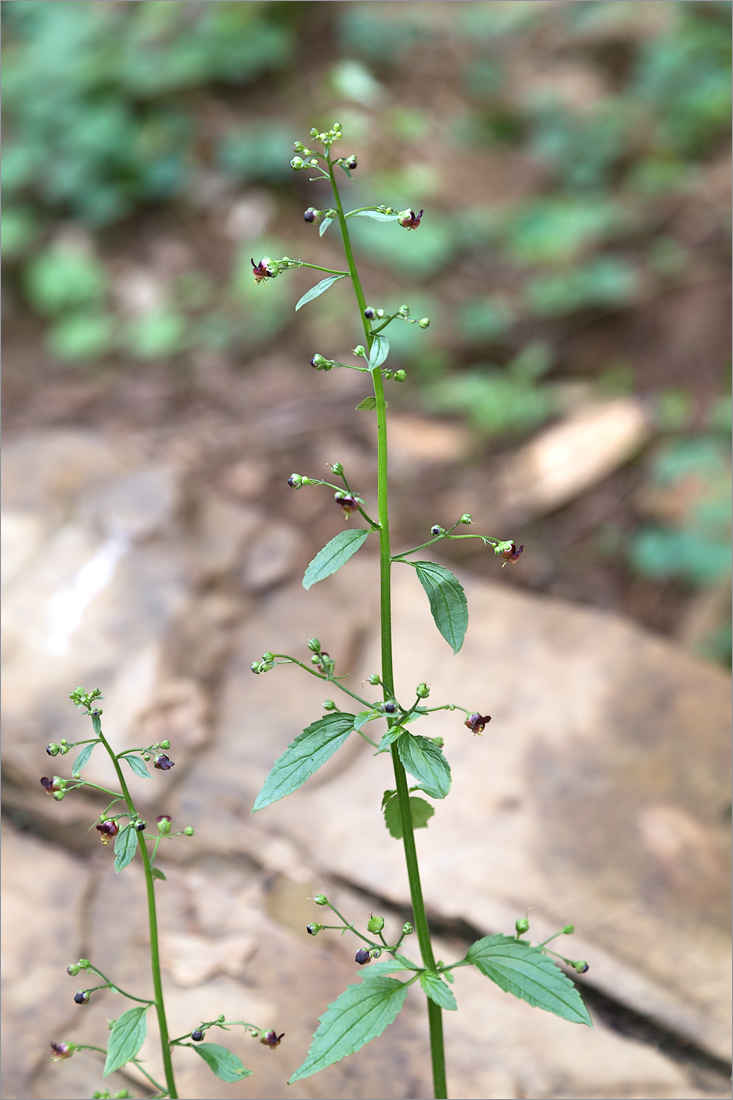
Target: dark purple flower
(477,722)
(348,503)
(59,1051)
(260,271)
(81,997)
(271,1039)
(511,555)
(197,1035)
(309,215)
(408,219)
(49,785)
(362,956)
(107,829)
(162,762)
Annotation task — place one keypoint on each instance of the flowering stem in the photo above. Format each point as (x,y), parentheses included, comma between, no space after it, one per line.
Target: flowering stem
(152,921)
(435,1019)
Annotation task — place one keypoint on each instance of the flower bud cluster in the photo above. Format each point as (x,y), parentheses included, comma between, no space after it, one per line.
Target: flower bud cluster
(321,363)
(84,699)
(327,137)
(266,662)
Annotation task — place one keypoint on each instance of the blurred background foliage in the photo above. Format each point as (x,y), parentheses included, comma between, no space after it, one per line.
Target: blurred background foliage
(572,158)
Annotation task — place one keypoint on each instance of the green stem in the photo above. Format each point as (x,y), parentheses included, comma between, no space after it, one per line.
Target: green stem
(435,1019)
(152,923)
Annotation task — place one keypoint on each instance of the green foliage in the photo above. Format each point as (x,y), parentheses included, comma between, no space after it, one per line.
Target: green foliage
(425,761)
(333,555)
(498,401)
(304,756)
(127,1036)
(317,290)
(692,476)
(125,847)
(83,758)
(524,971)
(222,1063)
(447,599)
(138,766)
(435,988)
(360,1014)
(420,813)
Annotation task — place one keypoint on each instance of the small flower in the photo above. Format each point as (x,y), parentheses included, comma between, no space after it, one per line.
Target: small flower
(477,722)
(509,551)
(362,956)
(108,829)
(163,822)
(197,1035)
(313,929)
(81,997)
(408,219)
(310,214)
(348,503)
(50,785)
(162,762)
(261,270)
(271,1039)
(53,749)
(59,1051)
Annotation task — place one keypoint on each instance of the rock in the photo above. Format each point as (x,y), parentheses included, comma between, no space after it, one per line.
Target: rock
(563,461)
(596,796)
(272,557)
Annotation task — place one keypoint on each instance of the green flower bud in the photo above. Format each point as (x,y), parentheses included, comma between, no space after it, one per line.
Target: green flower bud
(438,742)
(337,468)
(466,518)
(422,691)
(52,749)
(73,969)
(404,311)
(295,481)
(313,929)
(375,924)
(314,645)
(296,163)
(424,322)
(328,704)
(298,147)
(374,679)
(58,795)
(388,374)
(84,964)
(522,925)
(146,756)
(313,131)
(164,824)
(320,899)
(400,375)
(568,930)
(360,350)
(407,928)
(63,741)
(165,744)
(265,657)
(188,831)
(581,966)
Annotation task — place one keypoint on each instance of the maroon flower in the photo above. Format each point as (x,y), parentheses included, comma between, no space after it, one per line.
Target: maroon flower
(260,271)
(107,829)
(362,956)
(511,554)
(59,1051)
(477,722)
(271,1039)
(348,503)
(408,219)
(49,785)
(162,762)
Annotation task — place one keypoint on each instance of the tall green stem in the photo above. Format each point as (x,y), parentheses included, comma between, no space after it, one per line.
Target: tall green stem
(435,1018)
(152,924)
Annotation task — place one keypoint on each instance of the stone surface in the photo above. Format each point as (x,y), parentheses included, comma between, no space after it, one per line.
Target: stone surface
(597,795)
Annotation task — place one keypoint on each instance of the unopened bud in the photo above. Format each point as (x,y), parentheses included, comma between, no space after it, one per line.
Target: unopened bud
(466,518)
(522,925)
(295,481)
(320,899)
(424,322)
(375,924)
(422,691)
(337,469)
(407,929)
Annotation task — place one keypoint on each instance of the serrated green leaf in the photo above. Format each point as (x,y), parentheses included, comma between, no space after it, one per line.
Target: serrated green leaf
(420,812)
(426,762)
(375,215)
(138,766)
(524,971)
(157,873)
(125,847)
(83,758)
(389,737)
(304,756)
(359,1015)
(436,989)
(222,1063)
(447,601)
(324,226)
(365,716)
(126,1037)
(379,351)
(367,405)
(333,555)
(318,289)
